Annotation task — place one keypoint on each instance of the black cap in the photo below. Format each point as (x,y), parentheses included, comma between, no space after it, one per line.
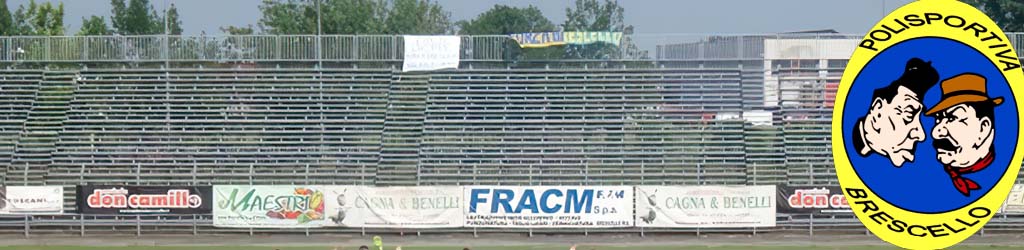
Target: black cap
(918,76)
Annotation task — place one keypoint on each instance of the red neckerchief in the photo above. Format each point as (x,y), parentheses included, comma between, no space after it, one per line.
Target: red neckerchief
(965,185)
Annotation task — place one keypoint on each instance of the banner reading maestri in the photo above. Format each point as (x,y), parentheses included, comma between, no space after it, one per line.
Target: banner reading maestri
(268,206)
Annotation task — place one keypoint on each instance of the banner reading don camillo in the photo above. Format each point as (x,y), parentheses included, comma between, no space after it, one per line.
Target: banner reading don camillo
(268,206)
(144,199)
(394,207)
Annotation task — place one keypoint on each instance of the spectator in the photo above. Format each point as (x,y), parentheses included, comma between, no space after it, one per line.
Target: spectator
(364,247)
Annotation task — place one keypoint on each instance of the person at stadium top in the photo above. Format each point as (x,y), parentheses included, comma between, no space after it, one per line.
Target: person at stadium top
(964,128)
(892,126)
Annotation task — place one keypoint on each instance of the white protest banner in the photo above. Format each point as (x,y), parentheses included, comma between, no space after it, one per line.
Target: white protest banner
(705,206)
(431,52)
(268,206)
(31,200)
(549,206)
(394,207)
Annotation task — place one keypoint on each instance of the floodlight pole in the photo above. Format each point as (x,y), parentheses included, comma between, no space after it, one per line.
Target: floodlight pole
(167,42)
(319,32)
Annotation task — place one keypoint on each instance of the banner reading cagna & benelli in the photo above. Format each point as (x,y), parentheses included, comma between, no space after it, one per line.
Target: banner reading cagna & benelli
(144,199)
(394,207)
(31,199)
(705,206)
(549,206)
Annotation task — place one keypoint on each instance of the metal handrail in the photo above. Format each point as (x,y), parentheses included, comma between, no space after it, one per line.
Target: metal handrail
(377,48)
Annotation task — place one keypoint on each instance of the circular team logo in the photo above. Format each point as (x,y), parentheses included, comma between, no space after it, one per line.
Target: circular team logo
(926,127)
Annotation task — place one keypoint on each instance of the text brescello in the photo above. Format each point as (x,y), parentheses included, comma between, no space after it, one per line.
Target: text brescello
(860,198)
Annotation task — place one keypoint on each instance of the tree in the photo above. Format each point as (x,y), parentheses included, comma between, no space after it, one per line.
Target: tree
(94,26)
(38,19)
(233,30)
(418,17)
(591,15)
(504,20)
(1008,14)
(138,17)
(337,16)
(354,17)
(173,21)
(6,23)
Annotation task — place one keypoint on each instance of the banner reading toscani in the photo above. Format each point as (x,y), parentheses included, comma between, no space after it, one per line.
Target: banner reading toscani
(705,206)
(268,206)
(32,200)
(394,207)
(549,206)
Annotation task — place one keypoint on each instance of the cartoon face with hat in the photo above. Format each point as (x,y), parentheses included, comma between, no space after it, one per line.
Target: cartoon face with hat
(892,126)
(964,128)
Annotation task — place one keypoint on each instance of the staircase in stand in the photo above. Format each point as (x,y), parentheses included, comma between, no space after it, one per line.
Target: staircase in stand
(34,149)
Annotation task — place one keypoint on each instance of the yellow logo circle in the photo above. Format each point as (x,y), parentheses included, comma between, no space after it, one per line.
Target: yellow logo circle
(926,127)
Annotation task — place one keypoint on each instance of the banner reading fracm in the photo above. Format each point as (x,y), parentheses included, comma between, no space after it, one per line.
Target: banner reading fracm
(549,206)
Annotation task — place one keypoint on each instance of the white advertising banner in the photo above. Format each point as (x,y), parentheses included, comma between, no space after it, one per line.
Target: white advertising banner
(1015,201)
(394,207)
(705,206)
(31,200)
(431,52)
(268,206)
(548,206)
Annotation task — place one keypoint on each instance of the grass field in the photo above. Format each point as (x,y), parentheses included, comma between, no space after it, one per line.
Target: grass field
(581,247)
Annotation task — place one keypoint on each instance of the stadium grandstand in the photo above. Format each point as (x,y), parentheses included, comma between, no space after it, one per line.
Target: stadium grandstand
(338,110)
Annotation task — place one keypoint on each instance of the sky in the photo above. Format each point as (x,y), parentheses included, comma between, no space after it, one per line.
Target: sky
(647,16)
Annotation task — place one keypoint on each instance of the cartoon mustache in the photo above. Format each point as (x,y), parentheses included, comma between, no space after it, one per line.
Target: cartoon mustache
(944,144)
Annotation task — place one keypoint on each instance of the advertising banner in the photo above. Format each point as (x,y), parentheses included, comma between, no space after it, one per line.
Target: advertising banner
(394,207)
(705,206)
(431,52)
(31,200)
(1015,201)
(268,206)
(144,199)
(545,39)
(812,199)
(548,206)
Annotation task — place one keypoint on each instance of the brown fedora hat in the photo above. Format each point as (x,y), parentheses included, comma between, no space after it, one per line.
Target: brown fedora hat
(960,89)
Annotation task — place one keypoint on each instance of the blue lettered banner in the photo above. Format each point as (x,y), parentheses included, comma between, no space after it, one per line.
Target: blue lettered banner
(546,39)
(548,206)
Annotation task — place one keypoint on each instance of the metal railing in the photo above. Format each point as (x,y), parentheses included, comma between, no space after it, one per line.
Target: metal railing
(380,48)
(250,48)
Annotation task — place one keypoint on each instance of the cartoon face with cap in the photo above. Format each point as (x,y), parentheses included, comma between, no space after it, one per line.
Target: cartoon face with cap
(892,126)
(964,128)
